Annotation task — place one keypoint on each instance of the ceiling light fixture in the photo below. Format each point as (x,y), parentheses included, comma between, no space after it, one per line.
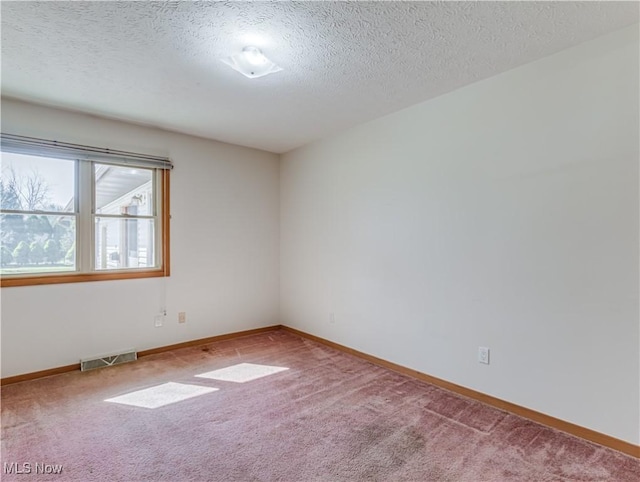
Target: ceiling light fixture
(251,63)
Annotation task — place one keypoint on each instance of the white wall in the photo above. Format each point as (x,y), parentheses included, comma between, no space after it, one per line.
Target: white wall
(504,214)
(224,252)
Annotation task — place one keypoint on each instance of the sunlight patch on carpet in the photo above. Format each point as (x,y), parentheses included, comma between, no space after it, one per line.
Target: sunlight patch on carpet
(242,372)
(161,395)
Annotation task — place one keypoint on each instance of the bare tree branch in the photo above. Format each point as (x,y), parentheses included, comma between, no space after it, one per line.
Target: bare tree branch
(37,191)
(31,192)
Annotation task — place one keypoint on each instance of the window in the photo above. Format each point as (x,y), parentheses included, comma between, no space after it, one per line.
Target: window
(74,213)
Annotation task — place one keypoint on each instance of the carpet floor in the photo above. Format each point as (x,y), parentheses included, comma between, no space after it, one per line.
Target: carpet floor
(275,407)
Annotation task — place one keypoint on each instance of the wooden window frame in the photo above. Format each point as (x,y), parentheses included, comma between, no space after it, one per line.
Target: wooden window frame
(162,271)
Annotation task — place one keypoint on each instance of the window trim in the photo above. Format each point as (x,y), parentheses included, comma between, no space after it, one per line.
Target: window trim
(75,277)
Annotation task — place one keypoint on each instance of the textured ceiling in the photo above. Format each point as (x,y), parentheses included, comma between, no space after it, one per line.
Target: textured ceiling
(158,63)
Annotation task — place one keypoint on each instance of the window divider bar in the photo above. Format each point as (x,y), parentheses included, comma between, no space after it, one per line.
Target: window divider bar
(125,216)
(85,228)
(39,213)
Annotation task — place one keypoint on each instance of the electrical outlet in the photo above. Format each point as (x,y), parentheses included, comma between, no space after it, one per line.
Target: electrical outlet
(332,317)
(182,317)
(483,354)
(158,320)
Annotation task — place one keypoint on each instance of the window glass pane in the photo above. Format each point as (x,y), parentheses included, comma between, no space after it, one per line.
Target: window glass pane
(124,243)
(123,190)
(37,243)
(30,183)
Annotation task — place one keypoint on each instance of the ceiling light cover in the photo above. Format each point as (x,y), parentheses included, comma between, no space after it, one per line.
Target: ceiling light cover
(251,63)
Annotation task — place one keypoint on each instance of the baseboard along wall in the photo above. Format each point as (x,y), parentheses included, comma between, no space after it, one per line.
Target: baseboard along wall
(544,419)
(152,351)
(549,421)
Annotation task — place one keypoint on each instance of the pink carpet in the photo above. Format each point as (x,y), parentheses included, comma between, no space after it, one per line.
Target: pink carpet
(328,417)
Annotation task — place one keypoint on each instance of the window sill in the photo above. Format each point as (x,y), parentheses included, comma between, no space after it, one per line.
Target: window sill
(80,277)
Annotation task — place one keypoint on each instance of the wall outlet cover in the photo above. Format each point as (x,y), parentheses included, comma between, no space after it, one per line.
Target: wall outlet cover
(483,354)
